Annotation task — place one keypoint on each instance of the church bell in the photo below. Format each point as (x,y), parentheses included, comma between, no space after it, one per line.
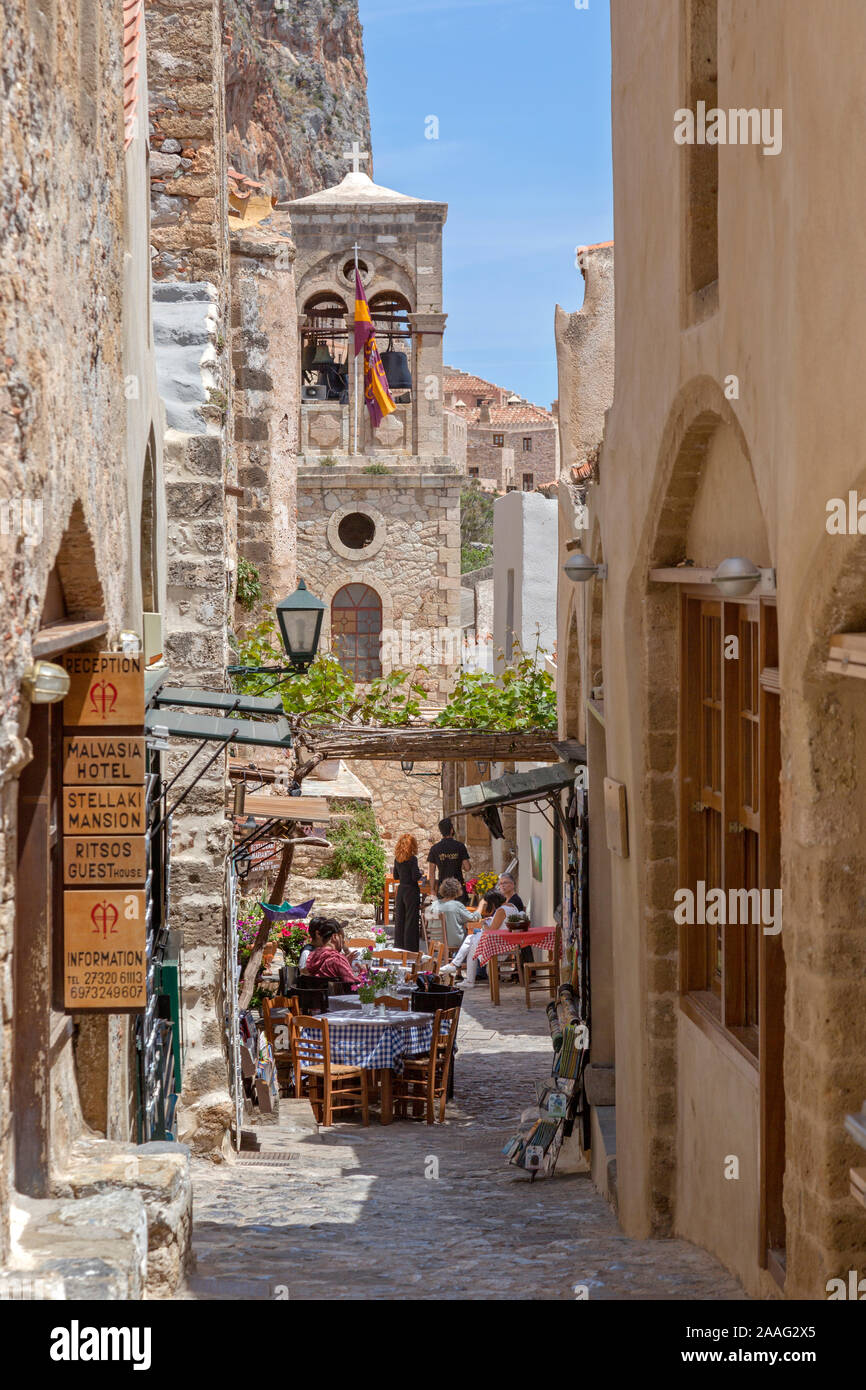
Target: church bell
(397,373)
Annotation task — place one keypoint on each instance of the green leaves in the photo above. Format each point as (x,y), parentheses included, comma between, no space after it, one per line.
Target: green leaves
(476,528)
(358,849)
(521,696)
(326,694)
(248,589)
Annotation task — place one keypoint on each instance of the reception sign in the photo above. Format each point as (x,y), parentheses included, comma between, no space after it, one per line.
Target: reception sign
(106,690)
(104,951)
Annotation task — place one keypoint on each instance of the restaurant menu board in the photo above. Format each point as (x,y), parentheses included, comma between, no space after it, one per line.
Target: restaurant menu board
(104,842)
(104,951)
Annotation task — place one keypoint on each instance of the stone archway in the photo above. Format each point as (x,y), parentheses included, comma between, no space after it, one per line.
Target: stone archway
(680,516)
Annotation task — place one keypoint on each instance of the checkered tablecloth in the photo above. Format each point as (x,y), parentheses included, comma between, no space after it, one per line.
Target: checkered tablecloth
(499,943)
(364,1043)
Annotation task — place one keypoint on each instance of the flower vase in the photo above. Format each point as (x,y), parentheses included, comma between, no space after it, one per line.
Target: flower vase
(367,1009)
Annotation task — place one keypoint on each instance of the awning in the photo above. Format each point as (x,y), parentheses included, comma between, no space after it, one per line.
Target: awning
(178,724)
(188,696)
(536,785)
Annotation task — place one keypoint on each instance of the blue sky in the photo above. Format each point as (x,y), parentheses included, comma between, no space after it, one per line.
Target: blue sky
(522,92)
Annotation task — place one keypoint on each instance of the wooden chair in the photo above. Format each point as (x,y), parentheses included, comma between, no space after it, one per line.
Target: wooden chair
(544,974)
(410,959)
(332,1086)
(434,932)
(360,943)
(439,955)
(426,1078)
(282,1055)
(391,1001)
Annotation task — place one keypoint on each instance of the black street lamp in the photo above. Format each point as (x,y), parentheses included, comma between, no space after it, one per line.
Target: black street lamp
(300,622)
(300,619)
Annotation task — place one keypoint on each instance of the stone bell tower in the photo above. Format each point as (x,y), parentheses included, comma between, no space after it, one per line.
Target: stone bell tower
(378,510)
(399,242)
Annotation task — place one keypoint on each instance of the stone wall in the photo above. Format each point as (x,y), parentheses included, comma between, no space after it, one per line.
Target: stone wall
(412,562)
(266,376)
(191,324)
(403,805)
(187,134)
(64,486)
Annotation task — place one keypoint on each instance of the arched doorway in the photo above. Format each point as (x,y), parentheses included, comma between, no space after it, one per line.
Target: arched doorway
(356,630)
(711,807)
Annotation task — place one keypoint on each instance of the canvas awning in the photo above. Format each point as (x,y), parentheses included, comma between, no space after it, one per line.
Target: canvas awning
(538,784)
(205,727)
(188,697)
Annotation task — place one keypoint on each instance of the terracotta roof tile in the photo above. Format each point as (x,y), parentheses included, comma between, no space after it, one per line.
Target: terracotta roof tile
(132,24)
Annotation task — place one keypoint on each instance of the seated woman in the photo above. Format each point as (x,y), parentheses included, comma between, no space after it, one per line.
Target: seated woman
(328,961)
(497,915)
(451,912)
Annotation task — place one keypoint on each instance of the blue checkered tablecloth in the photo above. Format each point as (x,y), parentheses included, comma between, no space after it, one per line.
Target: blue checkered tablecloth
(364,1043)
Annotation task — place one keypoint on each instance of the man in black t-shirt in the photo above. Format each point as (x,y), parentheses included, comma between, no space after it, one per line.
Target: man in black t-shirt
(448,858)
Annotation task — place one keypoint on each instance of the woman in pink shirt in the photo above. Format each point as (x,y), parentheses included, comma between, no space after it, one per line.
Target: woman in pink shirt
(328,962)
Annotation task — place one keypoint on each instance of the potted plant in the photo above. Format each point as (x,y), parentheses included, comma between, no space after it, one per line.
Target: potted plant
(375,980)
(292,937)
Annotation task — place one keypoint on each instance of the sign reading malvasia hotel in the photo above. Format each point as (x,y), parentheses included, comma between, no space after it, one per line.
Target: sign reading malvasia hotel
(104,843)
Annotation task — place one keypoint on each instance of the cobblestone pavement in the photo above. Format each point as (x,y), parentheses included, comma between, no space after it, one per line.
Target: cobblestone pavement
(352,1214)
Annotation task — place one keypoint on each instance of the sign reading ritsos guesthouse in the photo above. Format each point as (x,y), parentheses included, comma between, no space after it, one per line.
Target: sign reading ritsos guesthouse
(104,844)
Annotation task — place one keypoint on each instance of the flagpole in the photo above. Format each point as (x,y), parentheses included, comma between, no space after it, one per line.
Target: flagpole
(355,388)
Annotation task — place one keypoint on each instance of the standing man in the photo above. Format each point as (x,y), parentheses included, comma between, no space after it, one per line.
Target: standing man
(448,858)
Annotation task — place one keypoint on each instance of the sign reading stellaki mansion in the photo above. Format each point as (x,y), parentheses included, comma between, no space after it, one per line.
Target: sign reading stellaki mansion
(104,844)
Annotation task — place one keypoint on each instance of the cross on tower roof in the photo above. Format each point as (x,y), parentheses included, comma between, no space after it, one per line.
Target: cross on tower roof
(356,154)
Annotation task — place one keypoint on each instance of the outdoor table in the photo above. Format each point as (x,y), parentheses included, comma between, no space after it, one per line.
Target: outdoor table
(379,1045)
(499,943)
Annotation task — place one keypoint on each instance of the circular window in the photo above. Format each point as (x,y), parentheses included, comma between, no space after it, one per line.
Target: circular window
(356,530)
(349,269)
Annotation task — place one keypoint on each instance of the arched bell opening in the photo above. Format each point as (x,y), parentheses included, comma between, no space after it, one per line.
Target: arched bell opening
(390,314)
(325,348)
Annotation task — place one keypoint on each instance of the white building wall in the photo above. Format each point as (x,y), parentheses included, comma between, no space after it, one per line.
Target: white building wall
(525,560)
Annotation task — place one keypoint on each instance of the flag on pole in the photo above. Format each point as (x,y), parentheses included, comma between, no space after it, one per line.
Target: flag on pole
(377,394)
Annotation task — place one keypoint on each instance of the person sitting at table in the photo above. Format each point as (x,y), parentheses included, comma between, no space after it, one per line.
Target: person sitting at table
(497,915)
(448,907)
(327,960)
(313,928)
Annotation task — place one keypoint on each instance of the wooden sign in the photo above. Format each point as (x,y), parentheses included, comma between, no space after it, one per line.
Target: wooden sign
(104,859)
(104,951)
(103,760)
(106,689)
(103,810)
(310,808)
(616,817)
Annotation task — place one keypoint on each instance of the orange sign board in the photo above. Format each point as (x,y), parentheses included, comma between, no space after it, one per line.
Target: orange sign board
(104,951)
(106,690)
(99,760)
(104,859)
(103,810)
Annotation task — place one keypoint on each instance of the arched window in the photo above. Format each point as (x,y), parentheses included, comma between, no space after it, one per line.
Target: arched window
(356,630)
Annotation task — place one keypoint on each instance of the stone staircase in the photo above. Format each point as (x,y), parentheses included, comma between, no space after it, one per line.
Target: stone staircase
(335,897)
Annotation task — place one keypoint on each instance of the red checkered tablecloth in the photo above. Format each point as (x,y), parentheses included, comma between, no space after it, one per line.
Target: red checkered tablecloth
(499,943)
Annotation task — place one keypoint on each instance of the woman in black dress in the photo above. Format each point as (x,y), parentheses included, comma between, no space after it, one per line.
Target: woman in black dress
(407,907)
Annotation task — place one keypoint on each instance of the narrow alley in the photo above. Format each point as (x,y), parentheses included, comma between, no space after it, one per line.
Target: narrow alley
(350,1213)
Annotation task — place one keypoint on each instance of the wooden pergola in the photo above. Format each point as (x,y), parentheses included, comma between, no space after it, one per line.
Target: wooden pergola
(423,743)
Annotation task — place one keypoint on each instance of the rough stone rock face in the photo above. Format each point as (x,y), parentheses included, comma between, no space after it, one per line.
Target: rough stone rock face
(296,91)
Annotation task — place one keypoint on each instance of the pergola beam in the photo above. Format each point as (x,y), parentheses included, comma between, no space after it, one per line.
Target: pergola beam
(419,744)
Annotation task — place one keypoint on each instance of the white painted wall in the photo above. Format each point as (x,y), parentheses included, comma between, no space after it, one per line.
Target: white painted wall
(526,543)
(538,896)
